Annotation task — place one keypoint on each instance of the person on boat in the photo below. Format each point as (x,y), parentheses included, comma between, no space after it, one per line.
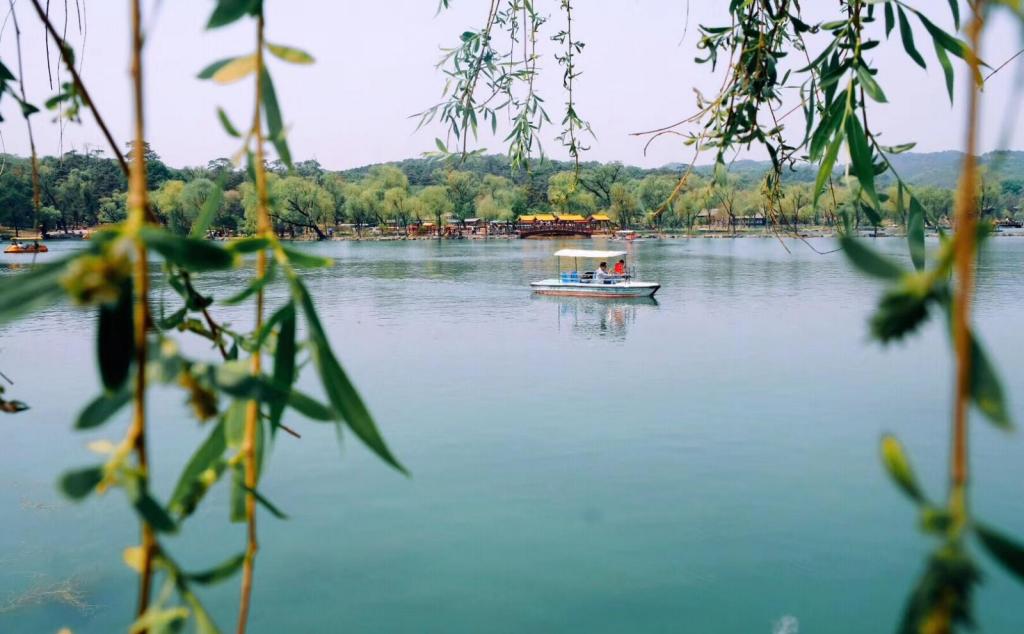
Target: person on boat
(601,274)
(620,268)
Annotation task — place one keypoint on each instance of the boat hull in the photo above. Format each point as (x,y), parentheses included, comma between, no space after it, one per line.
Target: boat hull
(618,290)
(26,249)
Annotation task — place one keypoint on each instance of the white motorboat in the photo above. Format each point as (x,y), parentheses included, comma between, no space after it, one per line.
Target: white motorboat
(593,283)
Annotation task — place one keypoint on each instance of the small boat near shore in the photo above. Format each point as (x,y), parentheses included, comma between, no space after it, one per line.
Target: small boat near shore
(628,235)
(595,283)
(21,247)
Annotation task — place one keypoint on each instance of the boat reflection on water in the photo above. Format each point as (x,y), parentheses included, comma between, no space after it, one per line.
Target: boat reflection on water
(606,318)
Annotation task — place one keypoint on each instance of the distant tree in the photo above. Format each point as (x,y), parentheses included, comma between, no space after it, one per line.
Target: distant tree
(384,177)
(937,200)
(310,169)
(360,205)
(156,171)
(75,198)
(193,198)
(566,195)
(47,219)
(112,208)
(600,180)
(462,188)
(302,204)
(396,205)
(167,201)
(436,202)
(223,172)
(248,193)
(623,207)
(231,216)
(725,197)
(654,190)
(16,196)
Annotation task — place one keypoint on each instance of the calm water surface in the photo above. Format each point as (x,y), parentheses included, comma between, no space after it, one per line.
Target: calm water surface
(706,463)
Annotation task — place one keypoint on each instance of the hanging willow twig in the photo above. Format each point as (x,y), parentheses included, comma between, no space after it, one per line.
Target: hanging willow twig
(137,205)
(965,250)
(252,412)
(69,64)
(27,110)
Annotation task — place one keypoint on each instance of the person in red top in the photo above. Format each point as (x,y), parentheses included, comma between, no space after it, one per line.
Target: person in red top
(620,267)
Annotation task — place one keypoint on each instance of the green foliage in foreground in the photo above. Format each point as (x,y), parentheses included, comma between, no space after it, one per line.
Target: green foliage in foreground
(97,278)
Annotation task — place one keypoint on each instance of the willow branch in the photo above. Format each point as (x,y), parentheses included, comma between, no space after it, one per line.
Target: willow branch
(137,204)
(965,246)
(28,122)
(252,412)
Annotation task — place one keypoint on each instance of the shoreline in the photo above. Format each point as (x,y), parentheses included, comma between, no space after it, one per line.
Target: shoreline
(644,236)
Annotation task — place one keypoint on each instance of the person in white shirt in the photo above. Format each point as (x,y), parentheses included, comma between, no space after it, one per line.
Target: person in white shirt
(601,274)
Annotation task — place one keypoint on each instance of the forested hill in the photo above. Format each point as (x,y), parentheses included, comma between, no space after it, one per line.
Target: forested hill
(935,169)
(422,171)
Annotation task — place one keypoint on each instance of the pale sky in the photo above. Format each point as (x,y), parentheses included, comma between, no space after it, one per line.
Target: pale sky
(375,68)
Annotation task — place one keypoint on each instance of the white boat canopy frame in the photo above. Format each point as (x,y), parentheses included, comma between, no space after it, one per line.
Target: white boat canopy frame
(583,253)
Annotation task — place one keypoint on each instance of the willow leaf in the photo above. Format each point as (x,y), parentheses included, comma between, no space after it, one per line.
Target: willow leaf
(219,572)
(207,212)
(275,123)
(200,472)
(306,260)
(284,366)
(915,231)
(827,162)
(898,466)
(115,341)
(237,69)
(860,158)
(871,86)
(237,503)
(209,71)
(986,388)
(225,123)
(191,254)
(78,483)
(907,35)
(1009,553)
(945,40)
(947,69)
(290,54)
(255,286)
(265,503)
(228,11)
(147,506)
(869,261)
(340,392)
(101,408)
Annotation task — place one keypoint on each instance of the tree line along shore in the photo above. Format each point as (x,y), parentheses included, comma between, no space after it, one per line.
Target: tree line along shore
(478,198)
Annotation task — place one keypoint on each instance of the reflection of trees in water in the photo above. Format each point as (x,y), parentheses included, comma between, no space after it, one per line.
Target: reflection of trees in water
(603,318)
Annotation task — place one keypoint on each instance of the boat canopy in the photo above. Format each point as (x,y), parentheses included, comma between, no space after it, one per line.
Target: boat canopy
(583,253)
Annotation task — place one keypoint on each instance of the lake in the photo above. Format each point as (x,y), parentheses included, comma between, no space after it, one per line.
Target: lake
(704,463)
